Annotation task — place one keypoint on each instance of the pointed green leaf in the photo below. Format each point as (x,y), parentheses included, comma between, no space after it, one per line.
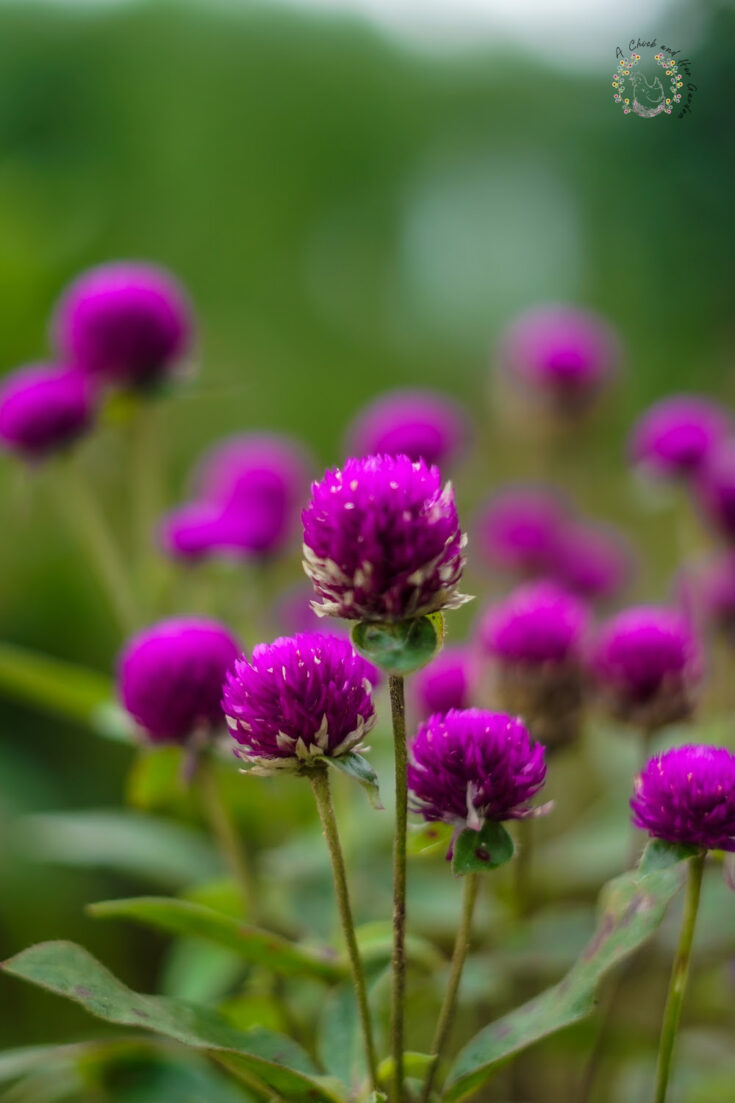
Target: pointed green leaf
(399,647)
(662,855)
(426,838)
(357,767)
(69,970)
(52,685)
(258,947)
(477,851)
(375,941)
(632,908)
(415,1065)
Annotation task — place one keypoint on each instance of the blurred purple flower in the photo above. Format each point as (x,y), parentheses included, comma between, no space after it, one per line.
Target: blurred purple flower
(297,700)
(648,663)
(170,677)
(687,795)
(382,540)
(445,683)
(537,623)
(519,529)
(715,488)
(676,435)
(125,322)
(43,408)
(469,766)
(561,354)
(593,561)
(420,424)
(706,591)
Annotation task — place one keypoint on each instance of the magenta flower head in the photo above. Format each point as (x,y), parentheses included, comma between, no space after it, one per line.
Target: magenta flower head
(170,677)
(675,436)
(519,529)
(299,699)
(469,766)
(715,488)
(444,684)
(593,561)
(648,663)
(382,541)
(420,424)
(43,408)
(534,640)
(295,616)
(560,356)
(687,795)
(125,323)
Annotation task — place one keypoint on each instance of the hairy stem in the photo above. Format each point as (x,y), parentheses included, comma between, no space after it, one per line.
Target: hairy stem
(398,998)
(319,778)
(679,974)
(446,1014)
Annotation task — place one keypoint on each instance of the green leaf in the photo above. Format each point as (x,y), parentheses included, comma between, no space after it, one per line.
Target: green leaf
(155,778)
(427,838)
(415,1065)
(399,647)
(158,850)
(477,851)
(632,908)
(662,855)
(257,947)
(357,767)
(375,941)
(69,970)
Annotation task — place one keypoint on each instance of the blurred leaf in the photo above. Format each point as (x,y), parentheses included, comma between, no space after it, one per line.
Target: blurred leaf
(157,850)
(339,1040)
(662,855)
(375,941)
(155,778)
(357,767)
(478,851)
(202,972)
(253,945)
(69,970)
(415,1064)
(632,908)
(427,838)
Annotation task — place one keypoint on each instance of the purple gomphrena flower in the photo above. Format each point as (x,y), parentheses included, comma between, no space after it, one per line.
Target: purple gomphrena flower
(43,408)
(193,532)
(298,700)
(382,541)
(593,561)
(295,616)
(445,683)
(687,795)
(715,488)
(519,529)
(125,322)
(420,424)
(560,355)
(534,641)
(676,435)
(648,663)
(469,766)
(170,677)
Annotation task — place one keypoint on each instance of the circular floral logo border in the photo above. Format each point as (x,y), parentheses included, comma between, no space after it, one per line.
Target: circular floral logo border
(628,103)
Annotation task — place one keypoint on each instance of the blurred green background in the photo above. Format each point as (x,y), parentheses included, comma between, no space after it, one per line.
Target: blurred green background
(350,213)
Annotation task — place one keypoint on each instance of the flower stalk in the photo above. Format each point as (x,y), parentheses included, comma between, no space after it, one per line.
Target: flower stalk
(398,997)
(225,833)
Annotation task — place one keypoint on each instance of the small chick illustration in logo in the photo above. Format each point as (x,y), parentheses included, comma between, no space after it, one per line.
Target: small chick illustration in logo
(649,98)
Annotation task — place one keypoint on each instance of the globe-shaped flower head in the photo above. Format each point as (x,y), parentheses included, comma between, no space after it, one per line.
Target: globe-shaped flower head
(382,541)
(446,683)
(676,435)
(469,766)
(687,795)
(43,408)
(518,530)
(125,323)
(298,700)
(534,640)
(648,664)
(593,561)
(170,677)
(420,424)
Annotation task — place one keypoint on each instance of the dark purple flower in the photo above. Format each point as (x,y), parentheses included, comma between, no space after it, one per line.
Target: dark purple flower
(593,561)
(469,766)
(561,355)
(648,662)
(519,529)
(43,408)
(382,540)
(687,795)
(170,677)
(445,683)
(676,435)
(715,488)
(299,699)
(420,424)
(125,322)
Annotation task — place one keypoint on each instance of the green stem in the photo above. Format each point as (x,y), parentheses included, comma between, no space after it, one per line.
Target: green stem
(446,1014)
(147,494)
(679,974)
(226,835)
(319,778)
(398,997)
(100,545)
